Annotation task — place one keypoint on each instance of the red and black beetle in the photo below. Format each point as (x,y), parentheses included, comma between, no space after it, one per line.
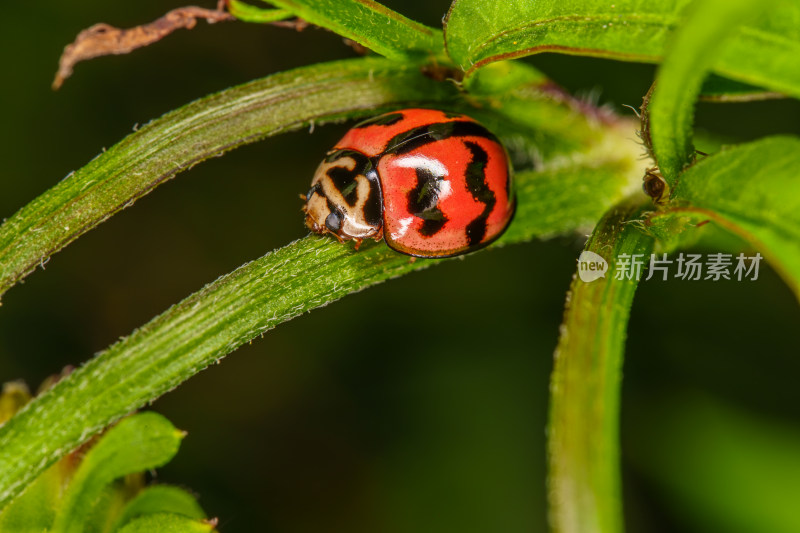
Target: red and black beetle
(432,183)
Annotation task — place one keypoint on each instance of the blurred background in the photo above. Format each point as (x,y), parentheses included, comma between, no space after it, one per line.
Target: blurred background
(330,422)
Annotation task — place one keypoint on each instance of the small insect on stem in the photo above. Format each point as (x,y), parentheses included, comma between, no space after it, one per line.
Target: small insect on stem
(430,183)
(654,185)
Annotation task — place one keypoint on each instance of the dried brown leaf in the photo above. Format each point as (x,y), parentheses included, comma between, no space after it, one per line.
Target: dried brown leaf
(103,39)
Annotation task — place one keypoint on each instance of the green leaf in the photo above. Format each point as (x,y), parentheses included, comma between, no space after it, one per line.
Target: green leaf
(248,13)
(369,24)
(202,129)
(751,190)
(109,503)
(765,53)
(160,499)
(478,32)
(140,442)
(504,76)
(583,430)
(722,90)
(694,48)
(167,523)
(258,296)
(723,469)
(34,511)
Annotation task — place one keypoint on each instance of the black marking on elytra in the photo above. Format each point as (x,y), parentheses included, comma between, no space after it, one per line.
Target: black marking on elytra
(423,202)
(373,207)
(479,188)
(450,114)
(333,155)
(422,135)
(343,178)
(387,119)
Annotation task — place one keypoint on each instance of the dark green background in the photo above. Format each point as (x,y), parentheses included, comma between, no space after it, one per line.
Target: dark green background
(418,405)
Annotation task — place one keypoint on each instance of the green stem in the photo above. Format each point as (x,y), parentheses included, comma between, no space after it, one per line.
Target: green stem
(583,449)
(198,131)
(694,49)
(246,303)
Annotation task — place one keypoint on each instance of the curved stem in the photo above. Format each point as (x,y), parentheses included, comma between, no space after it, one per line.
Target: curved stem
(583,448)
(205,128)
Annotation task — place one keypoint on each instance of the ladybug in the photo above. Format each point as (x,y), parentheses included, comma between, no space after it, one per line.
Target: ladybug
(432,183)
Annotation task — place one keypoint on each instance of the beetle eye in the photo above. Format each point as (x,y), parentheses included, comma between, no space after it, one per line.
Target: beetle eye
(334,221)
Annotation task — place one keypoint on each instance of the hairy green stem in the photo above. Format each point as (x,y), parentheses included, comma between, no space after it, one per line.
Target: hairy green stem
(583,431)
(200,130)
(246,303)
(693,50)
